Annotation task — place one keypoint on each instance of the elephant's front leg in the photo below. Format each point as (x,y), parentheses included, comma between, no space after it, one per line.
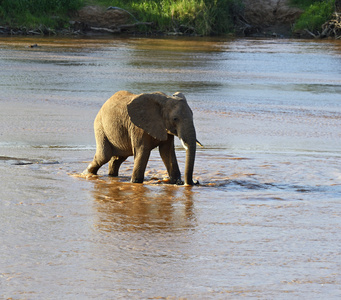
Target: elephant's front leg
(167,153)
(141,157)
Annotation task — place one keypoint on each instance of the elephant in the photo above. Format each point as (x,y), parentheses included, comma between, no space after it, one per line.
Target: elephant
(133,125)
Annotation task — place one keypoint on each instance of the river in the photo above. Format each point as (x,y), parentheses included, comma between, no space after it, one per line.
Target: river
(263,223)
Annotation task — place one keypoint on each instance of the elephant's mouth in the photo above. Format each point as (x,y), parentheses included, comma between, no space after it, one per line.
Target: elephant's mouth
(174,132)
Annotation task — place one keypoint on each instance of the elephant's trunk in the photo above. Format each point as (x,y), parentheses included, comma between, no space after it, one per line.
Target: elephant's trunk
(189,166)
(190,146)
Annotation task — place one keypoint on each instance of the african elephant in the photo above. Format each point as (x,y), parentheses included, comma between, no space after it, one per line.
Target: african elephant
(129,124)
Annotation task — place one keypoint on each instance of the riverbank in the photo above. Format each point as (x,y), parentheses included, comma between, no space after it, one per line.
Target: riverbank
(268,18)
(264,18)
(196,17)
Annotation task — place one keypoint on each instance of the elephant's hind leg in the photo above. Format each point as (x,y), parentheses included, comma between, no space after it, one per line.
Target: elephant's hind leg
(94,166)
(115,163)
(102,156)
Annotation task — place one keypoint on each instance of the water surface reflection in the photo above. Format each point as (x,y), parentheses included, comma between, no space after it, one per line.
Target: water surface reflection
(265,222)
(122,206)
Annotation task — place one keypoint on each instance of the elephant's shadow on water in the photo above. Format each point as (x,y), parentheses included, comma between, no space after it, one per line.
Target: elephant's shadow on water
(122,206)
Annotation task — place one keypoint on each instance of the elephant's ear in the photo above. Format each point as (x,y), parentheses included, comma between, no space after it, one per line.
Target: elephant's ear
(144,111)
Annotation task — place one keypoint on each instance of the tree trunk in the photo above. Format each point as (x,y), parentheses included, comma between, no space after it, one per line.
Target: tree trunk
(338,6)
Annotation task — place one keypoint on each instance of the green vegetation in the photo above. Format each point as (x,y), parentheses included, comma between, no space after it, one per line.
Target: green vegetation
(37,13)
(315,14)
(200,16)
(205,17)
(303,4)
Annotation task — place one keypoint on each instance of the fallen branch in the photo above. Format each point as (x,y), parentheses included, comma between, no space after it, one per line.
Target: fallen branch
(312,34)
(331,28)
(105,30)
(120,28)
(127,26)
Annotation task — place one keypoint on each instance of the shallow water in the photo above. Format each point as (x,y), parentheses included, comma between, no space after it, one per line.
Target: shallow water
(265,221)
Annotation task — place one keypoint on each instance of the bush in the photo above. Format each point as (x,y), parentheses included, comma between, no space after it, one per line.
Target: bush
(203,16)
(315,15)
(32,13)
(303,4)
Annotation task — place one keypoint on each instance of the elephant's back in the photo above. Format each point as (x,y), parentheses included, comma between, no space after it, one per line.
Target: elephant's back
(115,107)
(118,100)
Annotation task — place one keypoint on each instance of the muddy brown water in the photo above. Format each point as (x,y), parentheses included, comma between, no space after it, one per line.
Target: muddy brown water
(265,221)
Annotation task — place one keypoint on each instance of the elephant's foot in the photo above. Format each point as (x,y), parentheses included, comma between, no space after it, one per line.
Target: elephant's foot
(178,181)
(137,180)
(113,175)
(113,172)
(193,182)
(90,170)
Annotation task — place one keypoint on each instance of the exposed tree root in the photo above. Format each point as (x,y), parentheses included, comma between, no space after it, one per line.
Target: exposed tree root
(332,28)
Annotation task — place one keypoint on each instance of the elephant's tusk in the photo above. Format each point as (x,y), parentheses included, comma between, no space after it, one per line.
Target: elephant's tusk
(183,144)
(200,144)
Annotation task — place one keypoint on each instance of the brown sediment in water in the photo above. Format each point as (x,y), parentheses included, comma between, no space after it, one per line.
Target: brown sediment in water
(265,221)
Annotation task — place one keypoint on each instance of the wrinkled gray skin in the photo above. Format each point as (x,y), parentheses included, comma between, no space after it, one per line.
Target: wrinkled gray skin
(133,125)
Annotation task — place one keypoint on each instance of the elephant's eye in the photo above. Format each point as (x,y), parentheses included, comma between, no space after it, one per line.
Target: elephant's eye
(175,119)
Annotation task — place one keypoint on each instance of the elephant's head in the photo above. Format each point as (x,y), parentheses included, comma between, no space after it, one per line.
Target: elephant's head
(159,115)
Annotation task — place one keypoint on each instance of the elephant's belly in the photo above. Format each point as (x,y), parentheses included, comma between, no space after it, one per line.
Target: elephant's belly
(121,147)
(119,138)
